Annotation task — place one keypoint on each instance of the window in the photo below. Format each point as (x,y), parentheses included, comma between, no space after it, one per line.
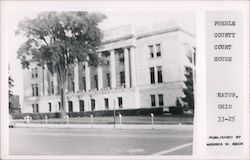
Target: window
(84,83)
(36,72)
(37,108)
(92,104)
(158,50)
(33,108)
(108,79)
(32,73)
(194,56)
(73,86)
(36,94)
(106,103)
(96,80)
(120,102)
(121,57)
(159,74)
(70,103)
(33,90)
(152,75)
(50,109)
(52,87)
(152,100)
(151,51)
(160,97)
(81,104)
(189,53)
(122,77)
(189,56)
(59,106)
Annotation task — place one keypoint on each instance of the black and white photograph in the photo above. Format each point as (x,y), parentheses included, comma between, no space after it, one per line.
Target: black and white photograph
(102,83)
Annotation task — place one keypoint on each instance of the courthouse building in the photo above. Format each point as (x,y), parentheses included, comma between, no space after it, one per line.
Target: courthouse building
(145,69)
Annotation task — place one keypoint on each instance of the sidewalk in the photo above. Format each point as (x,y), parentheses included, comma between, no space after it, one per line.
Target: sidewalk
(104,126)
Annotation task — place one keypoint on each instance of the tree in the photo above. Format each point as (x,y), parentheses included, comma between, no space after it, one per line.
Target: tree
(11,81)
(188,90)
(59,40)
(178,103)
(10,85)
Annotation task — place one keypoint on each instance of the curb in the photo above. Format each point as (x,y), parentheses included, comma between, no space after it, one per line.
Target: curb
(103,126)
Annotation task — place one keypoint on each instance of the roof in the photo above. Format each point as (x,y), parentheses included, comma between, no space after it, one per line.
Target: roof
(129,31)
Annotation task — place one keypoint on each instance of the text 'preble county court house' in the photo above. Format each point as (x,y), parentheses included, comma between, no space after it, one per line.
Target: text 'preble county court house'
(145,68)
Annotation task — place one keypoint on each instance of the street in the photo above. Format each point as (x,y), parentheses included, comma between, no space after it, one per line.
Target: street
(47,141)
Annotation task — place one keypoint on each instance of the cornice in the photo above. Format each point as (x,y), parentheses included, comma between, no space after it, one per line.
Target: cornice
(123,38)
(141,36)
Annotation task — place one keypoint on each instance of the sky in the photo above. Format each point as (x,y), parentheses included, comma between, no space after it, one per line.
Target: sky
(114,19)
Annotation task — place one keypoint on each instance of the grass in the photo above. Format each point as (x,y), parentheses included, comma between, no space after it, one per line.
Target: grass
(166,119)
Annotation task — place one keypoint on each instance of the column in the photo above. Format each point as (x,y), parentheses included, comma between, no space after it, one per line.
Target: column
(89,104)
(112,69)
(41,81)
(156,74)
(45,81)
(55,83)
(76,78)
(133,66)
(99,75)
(126,65)
(87,76)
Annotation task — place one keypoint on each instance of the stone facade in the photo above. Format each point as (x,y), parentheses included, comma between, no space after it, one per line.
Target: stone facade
(145,68)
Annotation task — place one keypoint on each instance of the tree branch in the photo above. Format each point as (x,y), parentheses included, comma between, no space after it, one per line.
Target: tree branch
(44,40)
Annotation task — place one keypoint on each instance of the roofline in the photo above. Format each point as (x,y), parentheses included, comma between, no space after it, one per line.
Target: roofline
(130,36)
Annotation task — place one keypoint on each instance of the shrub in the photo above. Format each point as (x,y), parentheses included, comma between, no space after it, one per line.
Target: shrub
(176,110)
(34,115)
(102,113)
(178,103)
(124,112)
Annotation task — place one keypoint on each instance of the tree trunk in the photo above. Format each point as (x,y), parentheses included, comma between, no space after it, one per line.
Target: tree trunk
(63,102)
(63,73)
